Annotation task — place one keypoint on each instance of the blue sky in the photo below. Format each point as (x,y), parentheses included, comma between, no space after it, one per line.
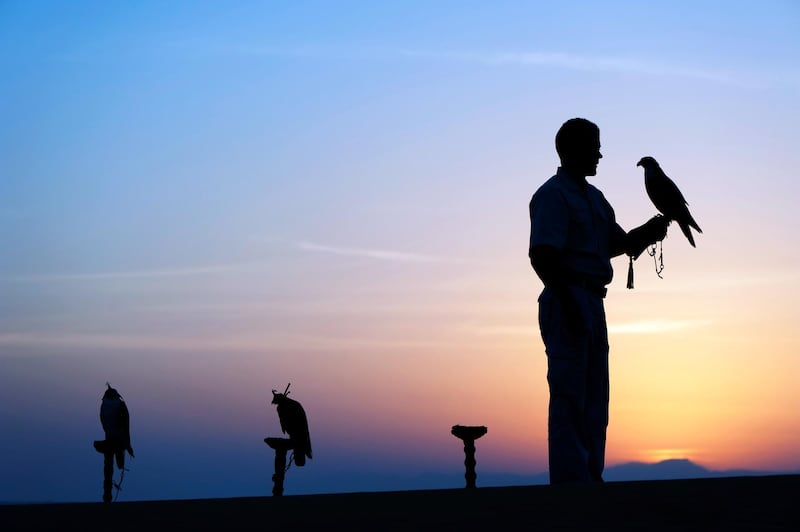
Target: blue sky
(202,201)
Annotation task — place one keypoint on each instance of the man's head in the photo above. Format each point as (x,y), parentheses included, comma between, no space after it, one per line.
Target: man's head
(578,146)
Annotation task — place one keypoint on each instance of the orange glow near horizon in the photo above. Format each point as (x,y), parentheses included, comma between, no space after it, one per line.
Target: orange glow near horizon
(395,382)
(659,455)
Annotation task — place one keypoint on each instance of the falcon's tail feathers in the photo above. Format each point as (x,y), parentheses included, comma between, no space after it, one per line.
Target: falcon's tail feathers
(694,224)
(688,232)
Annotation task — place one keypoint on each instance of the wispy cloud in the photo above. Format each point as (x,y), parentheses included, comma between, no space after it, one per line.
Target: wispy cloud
(249,342)
(508,330)
(589,64)
(107,341)
(378,254)
(534,58)
(716,281)
(127,274)
(655,326)
(635,327)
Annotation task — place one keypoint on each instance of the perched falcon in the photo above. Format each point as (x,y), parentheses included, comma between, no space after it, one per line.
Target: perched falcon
(115,419)
(294,423)
(666,197)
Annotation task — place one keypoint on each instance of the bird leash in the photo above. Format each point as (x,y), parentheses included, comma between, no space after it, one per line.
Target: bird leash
(658,262)
(657,252)
(118,485)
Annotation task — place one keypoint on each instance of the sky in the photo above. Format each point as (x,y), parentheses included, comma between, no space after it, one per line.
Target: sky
(204,201)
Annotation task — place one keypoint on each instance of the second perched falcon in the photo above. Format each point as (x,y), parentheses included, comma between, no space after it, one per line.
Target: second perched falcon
(115,419)
(666,197)
(293,422)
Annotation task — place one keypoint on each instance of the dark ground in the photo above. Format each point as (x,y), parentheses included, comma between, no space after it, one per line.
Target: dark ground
(741,503)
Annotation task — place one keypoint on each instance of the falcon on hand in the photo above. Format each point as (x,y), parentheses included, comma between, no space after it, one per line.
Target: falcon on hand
(666,197)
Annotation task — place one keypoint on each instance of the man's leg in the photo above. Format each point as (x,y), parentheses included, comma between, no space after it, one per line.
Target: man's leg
(597,392)
(568,456)
(566,375)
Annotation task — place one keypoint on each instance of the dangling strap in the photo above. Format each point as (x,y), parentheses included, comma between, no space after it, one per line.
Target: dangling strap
(657,252)
(118,485)
(630,272)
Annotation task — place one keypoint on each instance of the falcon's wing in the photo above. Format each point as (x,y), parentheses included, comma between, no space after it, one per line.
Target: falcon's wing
(124,418)
(282,417)
(104,421)
(125,425)
(297,427)
(665,195)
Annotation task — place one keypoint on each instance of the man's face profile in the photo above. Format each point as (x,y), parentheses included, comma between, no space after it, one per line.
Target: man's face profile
(586,154)
(578,145)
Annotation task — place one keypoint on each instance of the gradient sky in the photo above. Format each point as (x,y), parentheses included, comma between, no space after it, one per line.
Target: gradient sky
(202,201)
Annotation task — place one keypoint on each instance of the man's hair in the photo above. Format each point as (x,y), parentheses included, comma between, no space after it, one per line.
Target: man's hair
(575,133)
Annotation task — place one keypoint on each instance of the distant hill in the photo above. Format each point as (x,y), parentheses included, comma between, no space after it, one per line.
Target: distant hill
(630,471)
(665,470)
(671,469)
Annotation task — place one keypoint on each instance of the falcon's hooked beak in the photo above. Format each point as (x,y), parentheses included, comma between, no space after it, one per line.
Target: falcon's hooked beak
(646,162)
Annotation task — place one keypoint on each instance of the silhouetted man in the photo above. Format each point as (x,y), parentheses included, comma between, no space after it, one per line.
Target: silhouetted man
(115,419)
(574,235)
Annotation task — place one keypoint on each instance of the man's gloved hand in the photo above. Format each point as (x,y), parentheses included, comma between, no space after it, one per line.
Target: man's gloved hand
(656,228)
(652,231)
